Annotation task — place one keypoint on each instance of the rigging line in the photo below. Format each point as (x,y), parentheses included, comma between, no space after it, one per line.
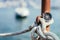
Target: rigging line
(13,34)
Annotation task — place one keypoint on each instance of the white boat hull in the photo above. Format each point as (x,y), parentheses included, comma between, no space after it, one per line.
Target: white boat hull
(23,12)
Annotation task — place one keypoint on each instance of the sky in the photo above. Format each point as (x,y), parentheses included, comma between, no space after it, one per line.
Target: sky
(34,3)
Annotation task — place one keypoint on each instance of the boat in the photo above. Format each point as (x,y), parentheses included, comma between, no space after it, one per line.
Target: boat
(23,12)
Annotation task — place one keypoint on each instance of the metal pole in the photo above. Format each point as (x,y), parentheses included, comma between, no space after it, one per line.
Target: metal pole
(45,6)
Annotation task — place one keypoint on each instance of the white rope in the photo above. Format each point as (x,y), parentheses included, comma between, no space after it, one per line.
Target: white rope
(47,35)
(9,34)
(13,33)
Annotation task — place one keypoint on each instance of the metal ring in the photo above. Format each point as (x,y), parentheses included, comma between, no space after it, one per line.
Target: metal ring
(47,16)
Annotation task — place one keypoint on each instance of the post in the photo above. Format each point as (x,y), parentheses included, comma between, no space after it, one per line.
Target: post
(45,8)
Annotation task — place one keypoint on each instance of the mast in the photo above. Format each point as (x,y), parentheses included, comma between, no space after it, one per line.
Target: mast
(45,6)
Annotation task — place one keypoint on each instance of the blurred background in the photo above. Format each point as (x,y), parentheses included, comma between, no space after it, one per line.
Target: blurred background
(9,22)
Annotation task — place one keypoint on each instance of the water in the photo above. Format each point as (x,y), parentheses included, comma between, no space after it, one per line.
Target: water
(10,23)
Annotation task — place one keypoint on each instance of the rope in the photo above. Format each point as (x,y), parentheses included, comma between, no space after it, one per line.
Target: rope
(13,34)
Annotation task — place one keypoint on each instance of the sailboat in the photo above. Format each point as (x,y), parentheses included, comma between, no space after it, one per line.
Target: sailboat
(22,11)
